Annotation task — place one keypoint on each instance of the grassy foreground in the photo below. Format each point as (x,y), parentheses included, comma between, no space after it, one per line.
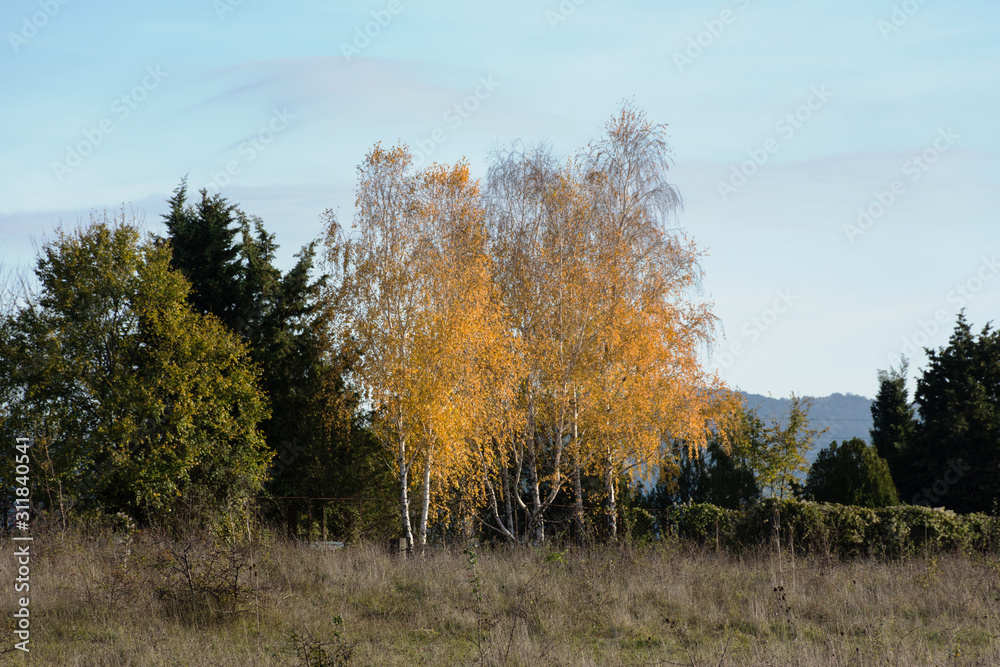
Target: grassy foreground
(146,601)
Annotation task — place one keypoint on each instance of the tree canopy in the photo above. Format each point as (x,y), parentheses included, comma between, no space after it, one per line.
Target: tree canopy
(956,443)
(134,402)
(851,473)
(516,339)
(315,428)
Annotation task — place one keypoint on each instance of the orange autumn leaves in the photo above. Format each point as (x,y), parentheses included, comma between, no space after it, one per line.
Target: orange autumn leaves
(513,339)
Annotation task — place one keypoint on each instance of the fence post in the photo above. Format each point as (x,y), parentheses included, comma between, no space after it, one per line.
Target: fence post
(791,547)
(777,538)
(293,520)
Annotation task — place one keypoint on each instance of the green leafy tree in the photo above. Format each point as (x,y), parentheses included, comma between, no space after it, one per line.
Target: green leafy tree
(776,453)
(788,441)
(748,450)
(957,442)
(134,402)
(851,473)
(893,425)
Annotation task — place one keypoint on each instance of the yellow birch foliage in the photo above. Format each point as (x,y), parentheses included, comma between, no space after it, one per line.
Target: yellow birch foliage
(415,295)
(548,325)
(647,382)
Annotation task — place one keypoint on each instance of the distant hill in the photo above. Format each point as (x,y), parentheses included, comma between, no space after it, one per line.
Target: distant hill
(845,415)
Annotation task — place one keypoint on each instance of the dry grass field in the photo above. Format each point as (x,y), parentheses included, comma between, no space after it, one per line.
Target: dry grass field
(153,601)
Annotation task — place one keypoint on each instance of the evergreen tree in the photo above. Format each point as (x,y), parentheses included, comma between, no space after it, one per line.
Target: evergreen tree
(229,257)
(893,425)
(851,474)
(957,442)
(728,482)
(203,240)
(720,474)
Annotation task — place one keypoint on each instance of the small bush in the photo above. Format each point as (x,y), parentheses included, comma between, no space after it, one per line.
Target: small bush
(198,571)
(313,653)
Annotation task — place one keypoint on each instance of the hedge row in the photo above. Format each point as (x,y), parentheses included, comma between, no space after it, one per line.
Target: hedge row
(842,530)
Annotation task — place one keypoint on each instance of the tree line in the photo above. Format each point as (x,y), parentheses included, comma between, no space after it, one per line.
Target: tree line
(497,351)
(941,449)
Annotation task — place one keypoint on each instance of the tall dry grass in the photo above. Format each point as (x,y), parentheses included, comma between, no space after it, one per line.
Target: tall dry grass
(98,600)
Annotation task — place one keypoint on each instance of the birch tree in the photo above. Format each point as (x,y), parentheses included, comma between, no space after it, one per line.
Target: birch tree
(466,353)
(414,293)
(377,302)
(540,232)
(516,340)
(648,384)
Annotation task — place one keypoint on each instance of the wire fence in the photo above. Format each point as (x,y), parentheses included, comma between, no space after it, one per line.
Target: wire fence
(351,519)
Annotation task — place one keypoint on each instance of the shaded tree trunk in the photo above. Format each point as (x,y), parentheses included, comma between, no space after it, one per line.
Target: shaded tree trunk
(577,482)
(609,487)
(508,509)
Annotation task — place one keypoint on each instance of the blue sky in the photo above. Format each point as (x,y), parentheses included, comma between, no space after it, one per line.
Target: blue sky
(839,161)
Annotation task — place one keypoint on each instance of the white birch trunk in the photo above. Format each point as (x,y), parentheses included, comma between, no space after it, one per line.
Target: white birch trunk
(404,494)
(425,501)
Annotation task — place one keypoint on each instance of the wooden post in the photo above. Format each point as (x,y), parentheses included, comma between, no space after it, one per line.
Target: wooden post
(399,547)
(324,522)
(777,538)
(791,547)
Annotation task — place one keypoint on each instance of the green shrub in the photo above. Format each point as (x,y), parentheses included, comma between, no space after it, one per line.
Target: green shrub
(699,522)
(638,524)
